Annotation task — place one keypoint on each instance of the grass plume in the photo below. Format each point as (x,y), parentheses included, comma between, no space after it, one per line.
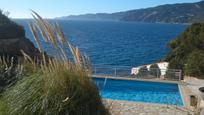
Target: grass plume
(53,86)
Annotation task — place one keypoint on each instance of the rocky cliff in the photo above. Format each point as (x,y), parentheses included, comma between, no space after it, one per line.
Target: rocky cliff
(13,40)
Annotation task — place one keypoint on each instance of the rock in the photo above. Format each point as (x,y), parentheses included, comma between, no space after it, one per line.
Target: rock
(11,30)
(13,40)
(13,47)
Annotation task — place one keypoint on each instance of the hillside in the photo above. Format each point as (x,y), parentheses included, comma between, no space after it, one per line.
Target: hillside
(176,13)
(9,29)
(97,16)
(12,41)
(187,51)
(170,13)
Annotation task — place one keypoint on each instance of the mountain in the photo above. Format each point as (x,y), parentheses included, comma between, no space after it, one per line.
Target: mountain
(97,16)
(169,13)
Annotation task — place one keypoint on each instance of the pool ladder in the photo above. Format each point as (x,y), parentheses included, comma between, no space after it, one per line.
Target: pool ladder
(104,84)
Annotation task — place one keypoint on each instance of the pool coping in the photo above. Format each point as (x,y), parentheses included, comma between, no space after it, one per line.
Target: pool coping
(181,91)
(136,79)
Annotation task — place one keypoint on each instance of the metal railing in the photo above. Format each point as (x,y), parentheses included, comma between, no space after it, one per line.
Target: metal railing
(140,73)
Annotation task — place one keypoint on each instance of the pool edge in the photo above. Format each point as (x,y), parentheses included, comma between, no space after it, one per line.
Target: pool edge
(179,85)
(182,95)
(136,79)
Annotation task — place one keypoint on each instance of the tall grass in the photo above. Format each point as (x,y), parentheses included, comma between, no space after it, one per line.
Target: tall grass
(53,86)
(9,72)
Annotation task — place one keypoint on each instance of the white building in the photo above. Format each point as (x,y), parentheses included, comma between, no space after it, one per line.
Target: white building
(163,66)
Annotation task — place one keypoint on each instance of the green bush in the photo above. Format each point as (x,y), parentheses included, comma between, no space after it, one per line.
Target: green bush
(58,93)
(195,64)
(155,70)
(143,71)
(9,72)
(182,48)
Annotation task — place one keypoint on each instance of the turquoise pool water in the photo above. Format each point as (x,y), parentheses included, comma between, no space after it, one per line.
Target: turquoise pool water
(140,91)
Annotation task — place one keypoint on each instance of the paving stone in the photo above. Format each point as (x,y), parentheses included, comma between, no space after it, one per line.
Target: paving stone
(134,108)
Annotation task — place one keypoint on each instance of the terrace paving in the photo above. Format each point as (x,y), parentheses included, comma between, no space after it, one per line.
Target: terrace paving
(136,108)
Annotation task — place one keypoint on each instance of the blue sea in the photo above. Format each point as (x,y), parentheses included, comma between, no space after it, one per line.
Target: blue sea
(117,43)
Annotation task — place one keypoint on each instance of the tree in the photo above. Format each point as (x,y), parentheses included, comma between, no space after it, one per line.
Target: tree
(4,18)
(195,64)
(155,70)
(184,52)
(143,71)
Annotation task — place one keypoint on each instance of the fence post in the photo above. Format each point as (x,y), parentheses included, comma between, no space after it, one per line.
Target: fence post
(157,74)
(180,74)
(115,72)
(95,70)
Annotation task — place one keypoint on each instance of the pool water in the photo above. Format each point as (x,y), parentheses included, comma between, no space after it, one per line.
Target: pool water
(139,91)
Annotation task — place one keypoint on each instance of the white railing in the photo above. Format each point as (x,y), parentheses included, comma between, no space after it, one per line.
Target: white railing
(126,71)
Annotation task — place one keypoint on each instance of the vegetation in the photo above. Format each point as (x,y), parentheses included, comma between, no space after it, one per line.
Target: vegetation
(154,70)
(4,19)
(195,64)
(143,71)
(9,73)
(170,13)
(187,51)
(52,86)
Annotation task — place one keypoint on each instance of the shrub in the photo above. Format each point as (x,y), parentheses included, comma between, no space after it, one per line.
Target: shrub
(195,64)
(9,72)
(53,86)
(182,48)
(143,71)
(60,92)
(155,70)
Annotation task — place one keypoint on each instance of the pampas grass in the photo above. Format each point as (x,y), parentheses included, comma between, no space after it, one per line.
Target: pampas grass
(53,86)
(9,73)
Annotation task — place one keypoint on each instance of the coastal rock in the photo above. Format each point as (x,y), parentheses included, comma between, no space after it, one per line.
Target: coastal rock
(13,47)
(13,40)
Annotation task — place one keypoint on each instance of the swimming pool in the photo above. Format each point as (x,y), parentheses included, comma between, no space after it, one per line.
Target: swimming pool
(140,91)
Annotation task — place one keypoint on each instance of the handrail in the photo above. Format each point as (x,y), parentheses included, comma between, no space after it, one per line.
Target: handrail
(125,71)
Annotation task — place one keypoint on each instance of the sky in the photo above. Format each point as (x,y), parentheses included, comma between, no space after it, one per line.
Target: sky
(57,8)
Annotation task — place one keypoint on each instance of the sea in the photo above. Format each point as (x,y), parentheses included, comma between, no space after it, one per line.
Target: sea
(117,43)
